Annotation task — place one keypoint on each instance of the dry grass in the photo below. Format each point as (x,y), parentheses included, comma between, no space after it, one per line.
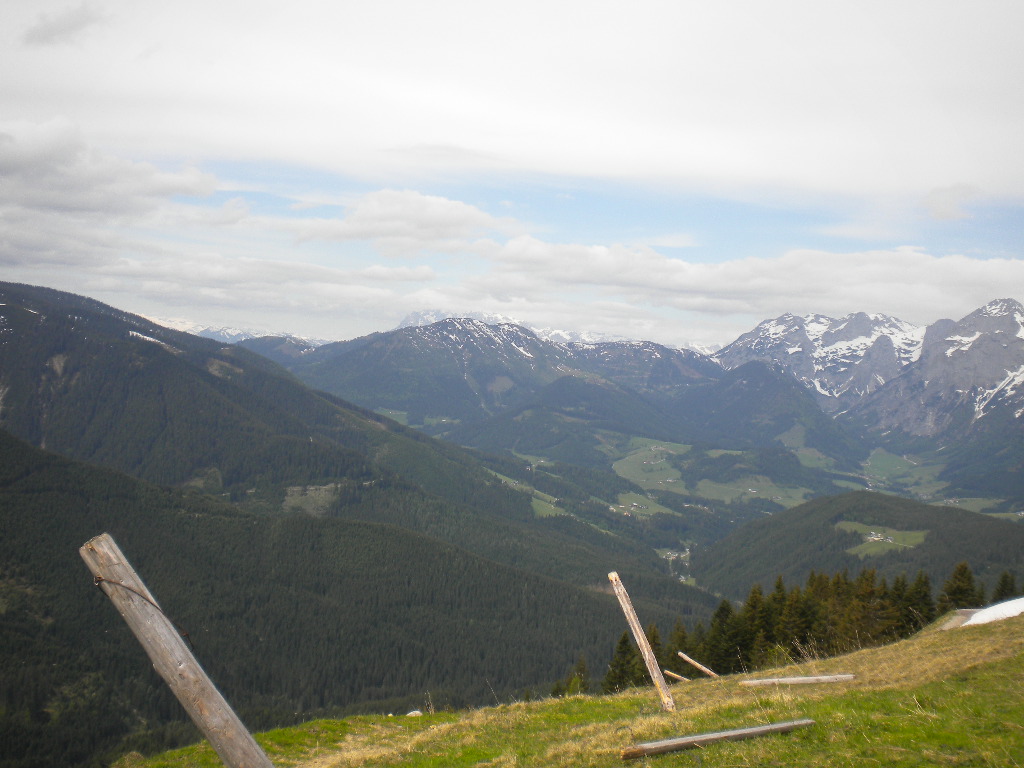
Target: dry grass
(939,698)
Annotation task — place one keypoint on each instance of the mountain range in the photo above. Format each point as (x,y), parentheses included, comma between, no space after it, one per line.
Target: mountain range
(950,392)
(296,497)
(275,519)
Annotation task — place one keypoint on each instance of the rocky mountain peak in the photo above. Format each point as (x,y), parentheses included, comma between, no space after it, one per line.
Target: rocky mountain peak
(839,360)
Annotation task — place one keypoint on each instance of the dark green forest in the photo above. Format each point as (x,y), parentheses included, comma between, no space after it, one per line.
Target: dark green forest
(291,615)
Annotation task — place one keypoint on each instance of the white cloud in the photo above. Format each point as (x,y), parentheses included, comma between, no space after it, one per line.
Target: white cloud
(947,203)
(404,221)
(49,167)
(61,27)
(794,95)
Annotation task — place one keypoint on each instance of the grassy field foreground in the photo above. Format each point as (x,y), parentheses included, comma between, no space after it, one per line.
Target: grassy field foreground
(940,698)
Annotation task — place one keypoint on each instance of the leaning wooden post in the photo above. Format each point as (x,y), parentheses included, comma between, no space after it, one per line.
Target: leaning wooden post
(641,640)
(170,656)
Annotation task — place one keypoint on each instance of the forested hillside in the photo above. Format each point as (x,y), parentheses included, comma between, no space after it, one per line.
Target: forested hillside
(892,535)
(289,614)
(93,383)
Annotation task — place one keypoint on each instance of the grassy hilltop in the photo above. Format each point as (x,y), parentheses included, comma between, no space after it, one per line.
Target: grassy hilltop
(939,698)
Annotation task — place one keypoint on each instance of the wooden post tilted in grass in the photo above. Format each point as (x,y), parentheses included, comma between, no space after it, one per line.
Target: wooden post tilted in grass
(688,742)
(170,656)
(798,680)
(674,676)
(641,640)
(697,664)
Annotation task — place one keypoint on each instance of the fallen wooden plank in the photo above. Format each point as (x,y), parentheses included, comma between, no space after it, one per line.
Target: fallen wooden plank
(697,664)
(700,740)
(798,680)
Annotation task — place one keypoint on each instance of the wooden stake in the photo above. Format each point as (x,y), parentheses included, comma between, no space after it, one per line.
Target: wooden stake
(674,676)
(688,742)
(653,669)
(170,656)
(697,664)
(798,680)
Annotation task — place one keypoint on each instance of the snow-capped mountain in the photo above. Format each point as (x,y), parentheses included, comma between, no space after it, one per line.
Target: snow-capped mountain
(230,335)
(967,371)
(557,335)
(840,360)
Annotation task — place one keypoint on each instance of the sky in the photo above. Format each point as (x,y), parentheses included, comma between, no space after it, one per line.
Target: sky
(669,170)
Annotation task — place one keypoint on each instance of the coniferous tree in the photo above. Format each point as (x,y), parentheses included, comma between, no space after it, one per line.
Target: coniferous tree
(678,640)
(1006,588)
(621,669)
(721,649)
(960,590)
(579,678)
(918,609)
(576,682)
(758,633)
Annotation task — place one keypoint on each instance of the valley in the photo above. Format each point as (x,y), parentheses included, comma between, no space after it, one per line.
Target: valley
(455,490)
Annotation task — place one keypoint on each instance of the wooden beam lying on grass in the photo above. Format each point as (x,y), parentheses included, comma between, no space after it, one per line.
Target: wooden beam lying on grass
(674,676)
(697,664)
(700,740)
(798,680)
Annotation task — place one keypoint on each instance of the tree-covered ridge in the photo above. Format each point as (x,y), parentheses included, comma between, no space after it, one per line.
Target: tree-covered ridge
(827,616)
(794,542)
(289,614)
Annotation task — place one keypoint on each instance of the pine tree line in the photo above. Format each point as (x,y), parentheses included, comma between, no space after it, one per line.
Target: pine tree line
(826,617)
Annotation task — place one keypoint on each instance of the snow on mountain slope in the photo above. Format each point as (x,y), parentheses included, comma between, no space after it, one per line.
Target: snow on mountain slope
(966,371)
(840,360)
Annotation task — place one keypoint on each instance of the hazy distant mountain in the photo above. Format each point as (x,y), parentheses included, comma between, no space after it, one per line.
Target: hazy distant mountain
(460,369)
(561,336)
(230,335)
(502,388)
(840,360)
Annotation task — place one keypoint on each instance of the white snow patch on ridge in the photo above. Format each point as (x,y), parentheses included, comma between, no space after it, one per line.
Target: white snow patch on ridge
(961,343)
(997,612)
(1007,388)
(163,344)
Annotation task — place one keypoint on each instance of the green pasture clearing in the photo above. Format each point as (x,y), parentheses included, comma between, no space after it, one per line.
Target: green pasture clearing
(644,506)
(878,540)
(973,504)
(647,464)
(812,458)
(402,417)
(909,473)
(544,508)
(796,440)
(1013,517)
(750,488)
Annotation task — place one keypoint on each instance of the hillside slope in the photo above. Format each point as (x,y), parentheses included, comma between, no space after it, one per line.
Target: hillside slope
(88,381)
(288,613)
(939,698)
(820,535)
